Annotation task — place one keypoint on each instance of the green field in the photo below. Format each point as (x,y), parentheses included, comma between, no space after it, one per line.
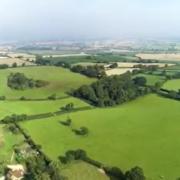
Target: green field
(60,81)
(151,79)
(143,132)
(82,170)
(172,85)
(37,107)
(7,141)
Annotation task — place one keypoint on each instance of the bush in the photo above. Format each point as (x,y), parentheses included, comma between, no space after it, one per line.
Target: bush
(52,97)
(67,122)
(14,65)
(11,127)
(135,173)
(71,155)
(68,107)
(114,172)
(3,66)
(2,98)
(114,65)
(81,131)
(22,98)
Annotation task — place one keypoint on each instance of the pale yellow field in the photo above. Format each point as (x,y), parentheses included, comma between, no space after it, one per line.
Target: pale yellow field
(118,71)
(168,56)
(131,65)
(24,56)
(10,61)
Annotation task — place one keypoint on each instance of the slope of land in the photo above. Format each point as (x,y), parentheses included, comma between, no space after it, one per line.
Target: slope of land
(143,132)
(60,81)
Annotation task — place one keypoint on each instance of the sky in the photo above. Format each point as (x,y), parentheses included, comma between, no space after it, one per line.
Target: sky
(88,19)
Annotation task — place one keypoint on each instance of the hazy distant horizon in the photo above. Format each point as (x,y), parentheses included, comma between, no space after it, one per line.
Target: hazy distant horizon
(82,19)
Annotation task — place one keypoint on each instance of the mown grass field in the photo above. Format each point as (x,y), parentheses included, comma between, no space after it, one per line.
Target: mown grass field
(172,85)
(142,132)
(60,81)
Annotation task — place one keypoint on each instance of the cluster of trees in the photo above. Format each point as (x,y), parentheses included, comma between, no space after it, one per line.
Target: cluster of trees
(135,173)
(19,81)
(113,90)
(38,165)
(91,71)
(39,169)
(40,61)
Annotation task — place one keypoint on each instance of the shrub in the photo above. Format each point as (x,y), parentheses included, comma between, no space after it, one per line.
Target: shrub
(52,97)
(22,98)
(67,122)
(81,131)
(2,98)
(11,127)
(68,107)
(135,173)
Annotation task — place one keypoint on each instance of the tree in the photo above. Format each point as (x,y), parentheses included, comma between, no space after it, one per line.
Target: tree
(14,65)
(23,64)
(68,107)
(81,131)
(140,80)
(172,94)
(135,173)
(114,65)
(52,97)
(54,171)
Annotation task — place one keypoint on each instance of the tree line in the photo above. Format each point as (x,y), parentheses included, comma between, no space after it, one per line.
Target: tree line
(135,173)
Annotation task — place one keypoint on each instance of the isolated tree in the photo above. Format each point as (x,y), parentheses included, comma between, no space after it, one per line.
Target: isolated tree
(14,65)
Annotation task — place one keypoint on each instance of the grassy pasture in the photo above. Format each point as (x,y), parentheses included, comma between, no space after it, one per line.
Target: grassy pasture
(60,81)
(36,107)
(7,141)
(172,85)
(82,170)
(143,132)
